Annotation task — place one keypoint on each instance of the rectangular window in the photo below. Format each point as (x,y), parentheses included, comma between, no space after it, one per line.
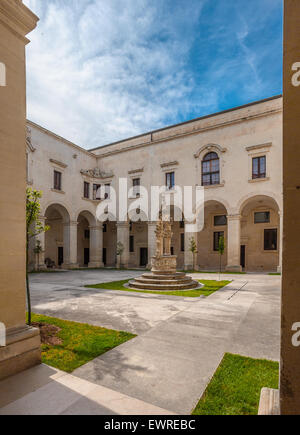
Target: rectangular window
(270,240)
(217,236)
(136,186)
(57,180)
(96,192)
(105,228)
(86,190)
(86,234)
(182,242)
(220,221)
(262,217)
(259,167)
(182,224)
(170,180)
(131,243)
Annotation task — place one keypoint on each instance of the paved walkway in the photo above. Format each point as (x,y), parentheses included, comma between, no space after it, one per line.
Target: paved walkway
(180,342)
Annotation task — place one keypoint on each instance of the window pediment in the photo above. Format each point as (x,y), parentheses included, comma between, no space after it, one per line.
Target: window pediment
(209,148)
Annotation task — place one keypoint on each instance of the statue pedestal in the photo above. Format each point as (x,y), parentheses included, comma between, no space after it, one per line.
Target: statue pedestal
(164,265)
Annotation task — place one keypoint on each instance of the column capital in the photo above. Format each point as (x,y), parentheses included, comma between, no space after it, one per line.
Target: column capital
(233,217)
(96,227)
(71,224)
(122,224)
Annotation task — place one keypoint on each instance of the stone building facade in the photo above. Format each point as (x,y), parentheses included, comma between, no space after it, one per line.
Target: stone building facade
(236,155)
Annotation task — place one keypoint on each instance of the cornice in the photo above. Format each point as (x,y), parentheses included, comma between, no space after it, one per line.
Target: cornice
(17,17)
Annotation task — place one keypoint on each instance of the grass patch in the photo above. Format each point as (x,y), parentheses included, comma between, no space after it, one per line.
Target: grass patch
(210,287)
(80,343)
(275,273)
(236,386)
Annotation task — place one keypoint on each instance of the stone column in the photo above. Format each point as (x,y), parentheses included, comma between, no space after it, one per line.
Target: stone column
(234,243)
(40,258)
(70,245)
(279,268)
(96,246)
(123,237)
(20,343)
(151,243)
(189,261)
(290,310)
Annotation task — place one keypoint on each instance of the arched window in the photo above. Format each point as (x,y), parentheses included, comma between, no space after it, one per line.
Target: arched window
(210,169)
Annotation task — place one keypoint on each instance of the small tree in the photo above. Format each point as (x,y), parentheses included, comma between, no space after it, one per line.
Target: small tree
(120,250)
(193,250)
(221,250)
(34,227)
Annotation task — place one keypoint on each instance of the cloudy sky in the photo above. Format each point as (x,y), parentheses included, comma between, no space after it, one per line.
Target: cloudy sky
(103,70)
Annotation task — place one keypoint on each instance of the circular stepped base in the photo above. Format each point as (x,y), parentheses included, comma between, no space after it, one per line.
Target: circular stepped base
(164,282)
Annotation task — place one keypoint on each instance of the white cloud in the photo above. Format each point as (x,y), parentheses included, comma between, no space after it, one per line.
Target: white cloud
(101,71)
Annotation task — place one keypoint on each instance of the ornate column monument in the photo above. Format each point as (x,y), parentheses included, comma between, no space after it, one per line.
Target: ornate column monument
(21,349)
(163,276)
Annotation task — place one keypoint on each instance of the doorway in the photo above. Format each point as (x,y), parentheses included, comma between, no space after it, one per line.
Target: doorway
(243,256)
(60,256)
(86,256)
(143,257)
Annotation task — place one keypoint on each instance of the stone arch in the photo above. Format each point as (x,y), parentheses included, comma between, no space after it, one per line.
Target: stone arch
(61,208)
(251,196)
(88,215)
(209,148)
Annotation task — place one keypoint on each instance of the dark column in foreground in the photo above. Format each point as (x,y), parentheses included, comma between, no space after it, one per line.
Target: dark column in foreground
(290,328)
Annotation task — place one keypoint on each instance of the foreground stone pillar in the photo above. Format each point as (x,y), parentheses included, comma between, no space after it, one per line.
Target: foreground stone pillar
(96,246)
(290,326)
(123,237)
(151,243)
(22,347)
(279,268)
(234,243)
(70,245)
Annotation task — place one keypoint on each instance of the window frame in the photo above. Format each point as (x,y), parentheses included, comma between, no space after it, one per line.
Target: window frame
(57,180)
(170,180)
(86,190)
(211,173)
(220,233)
(131,244)
(276,247)
(220,216)
(259,174)
(262,222)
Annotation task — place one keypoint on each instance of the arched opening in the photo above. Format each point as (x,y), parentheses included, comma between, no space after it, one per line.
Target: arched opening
(109,243)
(215,227)
(210,169)
(138,244)
(260,234)
(56,249)
(86,221)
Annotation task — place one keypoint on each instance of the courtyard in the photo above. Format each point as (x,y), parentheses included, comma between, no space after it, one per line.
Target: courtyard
(180,340)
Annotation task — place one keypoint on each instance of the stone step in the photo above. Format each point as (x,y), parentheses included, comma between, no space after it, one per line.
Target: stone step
(163,287)
(147,280)
(160,277)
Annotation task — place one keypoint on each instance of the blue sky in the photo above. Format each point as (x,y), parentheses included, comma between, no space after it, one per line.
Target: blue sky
(103,70)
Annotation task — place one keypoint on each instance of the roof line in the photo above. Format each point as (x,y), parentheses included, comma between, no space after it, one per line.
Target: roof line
(188,122)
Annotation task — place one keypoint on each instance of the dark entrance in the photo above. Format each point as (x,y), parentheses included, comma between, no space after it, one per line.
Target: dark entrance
(143,257)
(243,256)
(86,256)
(60,255)
(104,256)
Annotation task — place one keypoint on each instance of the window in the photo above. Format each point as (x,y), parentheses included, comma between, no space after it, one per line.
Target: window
(86,234)
(136,186)
(172,250)
(182,224)
(57,180)
(182,242)
(210,169)
(220,221)
(131,243)
(262,217)
(86,190)
(259,167)
(105,228)
(270,240)
(96,192)
(170,180)
(217,236)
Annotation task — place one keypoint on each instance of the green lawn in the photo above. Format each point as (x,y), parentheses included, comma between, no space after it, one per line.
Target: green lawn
(275,273)
(80,343)
(236,386)
(214,272)
(210,287)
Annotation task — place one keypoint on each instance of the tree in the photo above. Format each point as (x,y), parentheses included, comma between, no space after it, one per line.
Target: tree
(193,250)
(221,249)
(34,227)
(120,250)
